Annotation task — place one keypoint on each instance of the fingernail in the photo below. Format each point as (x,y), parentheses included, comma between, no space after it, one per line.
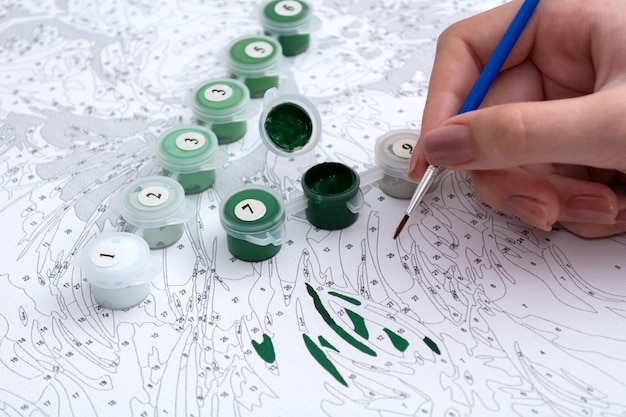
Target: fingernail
(448,145)
(590,209)
(530,210)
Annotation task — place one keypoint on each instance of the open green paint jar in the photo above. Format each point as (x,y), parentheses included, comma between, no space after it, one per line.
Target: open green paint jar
(392,154)
(254,220)
(333,194)
(291,22)
(155,208)
(289,123)
(119,269)
(224,106)
(190,155)
(257,61)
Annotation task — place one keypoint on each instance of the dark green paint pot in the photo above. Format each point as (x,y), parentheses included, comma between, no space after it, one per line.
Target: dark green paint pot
(290,22)
(289,124)
(254,220)
(256,60)
(190,155)
(333,194)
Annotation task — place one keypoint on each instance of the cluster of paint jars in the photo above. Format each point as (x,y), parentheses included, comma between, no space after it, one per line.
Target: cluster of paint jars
(155,208)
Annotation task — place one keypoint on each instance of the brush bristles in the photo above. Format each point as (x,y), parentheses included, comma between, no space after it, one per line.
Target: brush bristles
(400,226)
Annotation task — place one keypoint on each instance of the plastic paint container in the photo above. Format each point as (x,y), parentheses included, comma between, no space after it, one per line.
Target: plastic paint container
(257,60)
(224,106)
(254,220)
(119,269)
(190,155)
(291,22)
(393,153)
(333,194)
(289,123)
(155,209)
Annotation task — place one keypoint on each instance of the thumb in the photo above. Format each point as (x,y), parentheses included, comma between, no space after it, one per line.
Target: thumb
(588,130)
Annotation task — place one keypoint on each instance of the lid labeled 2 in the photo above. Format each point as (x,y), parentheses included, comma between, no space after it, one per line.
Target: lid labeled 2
(154,201)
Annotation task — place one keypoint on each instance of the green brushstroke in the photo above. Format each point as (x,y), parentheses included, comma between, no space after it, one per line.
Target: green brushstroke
(398,341)
(338,329)
(345,297)
(265,349)
(327,344)
(359,324)
(322,359)
(432,345)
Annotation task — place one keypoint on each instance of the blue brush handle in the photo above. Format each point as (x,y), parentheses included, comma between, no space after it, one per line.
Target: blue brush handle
(501,53)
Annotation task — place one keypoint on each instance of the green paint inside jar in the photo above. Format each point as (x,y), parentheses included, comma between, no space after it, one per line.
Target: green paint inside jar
(250,252)
(329,187)
(161,237)
(294,44)
(251,215)
(288,126)
(259,85)
(255,60)
(290,23)
(193,182)
(227,132)
(184,163)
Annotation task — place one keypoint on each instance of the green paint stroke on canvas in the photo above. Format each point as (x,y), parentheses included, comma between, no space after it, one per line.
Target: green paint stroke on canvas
(358,322)
(432,345)
(338,329)
(327,344)
(322,359)
(265,349)
(345,298)
(398,341)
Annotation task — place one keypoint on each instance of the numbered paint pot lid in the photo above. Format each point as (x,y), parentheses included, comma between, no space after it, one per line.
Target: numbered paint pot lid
(393,152)
(254,56)
(286,16)
(187,149)
(221,101)
(154,201)
(253,210)
(117,260)
(289,124)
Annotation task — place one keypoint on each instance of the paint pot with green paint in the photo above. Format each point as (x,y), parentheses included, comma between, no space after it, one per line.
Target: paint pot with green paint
(224,106)
(155,208)
(392,154)
(291,22)
(257,61)
(333,194)
(254,220)
(190,155)
(119,269)
(289,124)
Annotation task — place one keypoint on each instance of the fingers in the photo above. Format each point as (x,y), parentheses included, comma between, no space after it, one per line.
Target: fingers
(586,208)
(588,131)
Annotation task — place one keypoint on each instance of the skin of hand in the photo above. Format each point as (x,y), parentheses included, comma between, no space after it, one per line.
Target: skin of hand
(551,132)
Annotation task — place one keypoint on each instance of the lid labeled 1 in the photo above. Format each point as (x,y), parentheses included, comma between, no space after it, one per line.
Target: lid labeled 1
(289,124)
(154,201)
(393,152)
(255,214)
(189,149)
(222,101)
(117,260)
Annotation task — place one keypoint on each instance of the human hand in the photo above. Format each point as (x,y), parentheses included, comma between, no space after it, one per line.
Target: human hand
(551,132)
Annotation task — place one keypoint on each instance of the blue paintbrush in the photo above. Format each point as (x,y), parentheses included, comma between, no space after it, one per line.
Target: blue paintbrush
(476,95)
